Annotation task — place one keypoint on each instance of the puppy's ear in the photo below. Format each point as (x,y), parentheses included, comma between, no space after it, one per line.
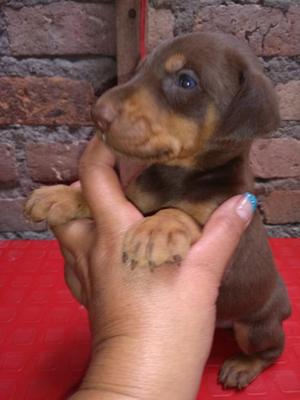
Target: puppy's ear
(254,110)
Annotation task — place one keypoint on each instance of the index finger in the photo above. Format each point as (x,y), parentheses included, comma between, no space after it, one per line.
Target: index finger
(102,188)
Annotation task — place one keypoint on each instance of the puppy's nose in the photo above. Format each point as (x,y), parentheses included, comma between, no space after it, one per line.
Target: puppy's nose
(103,115)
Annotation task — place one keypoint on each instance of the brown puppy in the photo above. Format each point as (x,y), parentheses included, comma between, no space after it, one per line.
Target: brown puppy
(190,113)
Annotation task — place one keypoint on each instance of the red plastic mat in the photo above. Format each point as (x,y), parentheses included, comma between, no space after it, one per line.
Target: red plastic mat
(44,335)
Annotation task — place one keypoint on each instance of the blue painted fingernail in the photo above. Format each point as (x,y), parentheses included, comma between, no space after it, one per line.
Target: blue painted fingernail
(246,207)
(251,199)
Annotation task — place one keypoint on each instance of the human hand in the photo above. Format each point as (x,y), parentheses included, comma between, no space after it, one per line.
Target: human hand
(151,331)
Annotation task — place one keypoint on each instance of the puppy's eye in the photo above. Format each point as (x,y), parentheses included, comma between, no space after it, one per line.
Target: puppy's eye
(186,81)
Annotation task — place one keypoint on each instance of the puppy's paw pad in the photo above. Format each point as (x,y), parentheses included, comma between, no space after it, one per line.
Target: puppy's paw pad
(54,204)
(238,371)
(156,241)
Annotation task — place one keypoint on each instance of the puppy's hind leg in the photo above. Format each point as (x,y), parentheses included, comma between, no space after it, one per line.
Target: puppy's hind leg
(261,340)
(262,343)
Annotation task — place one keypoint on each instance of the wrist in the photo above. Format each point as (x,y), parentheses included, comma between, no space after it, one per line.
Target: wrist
(122,369)
(98,394)
(147,367)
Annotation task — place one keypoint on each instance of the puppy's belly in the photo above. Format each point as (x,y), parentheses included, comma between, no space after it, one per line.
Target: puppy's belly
(224,324)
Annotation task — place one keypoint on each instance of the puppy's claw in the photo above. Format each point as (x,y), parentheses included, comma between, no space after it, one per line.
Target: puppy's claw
(177,259)
(125,257)
(151,265)
(133,264)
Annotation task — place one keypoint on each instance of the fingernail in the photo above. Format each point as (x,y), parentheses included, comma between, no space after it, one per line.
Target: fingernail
(247,206)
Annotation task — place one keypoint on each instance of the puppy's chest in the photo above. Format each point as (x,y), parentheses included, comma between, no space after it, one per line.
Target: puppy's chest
(153,191)
(145,200)
(194,191)
(155,187)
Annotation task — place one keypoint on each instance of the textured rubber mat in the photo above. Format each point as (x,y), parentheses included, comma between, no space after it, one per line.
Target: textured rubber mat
(44,335)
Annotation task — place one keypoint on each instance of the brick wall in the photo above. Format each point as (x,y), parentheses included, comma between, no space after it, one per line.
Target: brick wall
(55,56)
(272,29)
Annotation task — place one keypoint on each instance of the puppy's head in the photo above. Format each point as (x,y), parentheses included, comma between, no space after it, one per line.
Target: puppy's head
(188,95)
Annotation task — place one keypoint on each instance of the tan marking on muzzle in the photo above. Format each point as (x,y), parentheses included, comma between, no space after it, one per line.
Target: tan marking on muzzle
(169,136)
(194,137)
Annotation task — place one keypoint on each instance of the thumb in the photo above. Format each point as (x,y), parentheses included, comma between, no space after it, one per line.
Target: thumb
(102,188)
(222,234)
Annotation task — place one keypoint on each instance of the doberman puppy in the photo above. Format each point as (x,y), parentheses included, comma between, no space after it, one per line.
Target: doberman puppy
(190,114)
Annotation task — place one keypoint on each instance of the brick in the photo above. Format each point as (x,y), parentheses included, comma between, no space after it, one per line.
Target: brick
(8,171)
(275,158)
(289,100)
(62,28)
(282,207)
(13,219)
(45,101)
(160,26)
(53,162)
(269,31)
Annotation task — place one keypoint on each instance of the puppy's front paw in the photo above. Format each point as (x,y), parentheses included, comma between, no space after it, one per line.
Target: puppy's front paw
(158,240)
(55,204)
